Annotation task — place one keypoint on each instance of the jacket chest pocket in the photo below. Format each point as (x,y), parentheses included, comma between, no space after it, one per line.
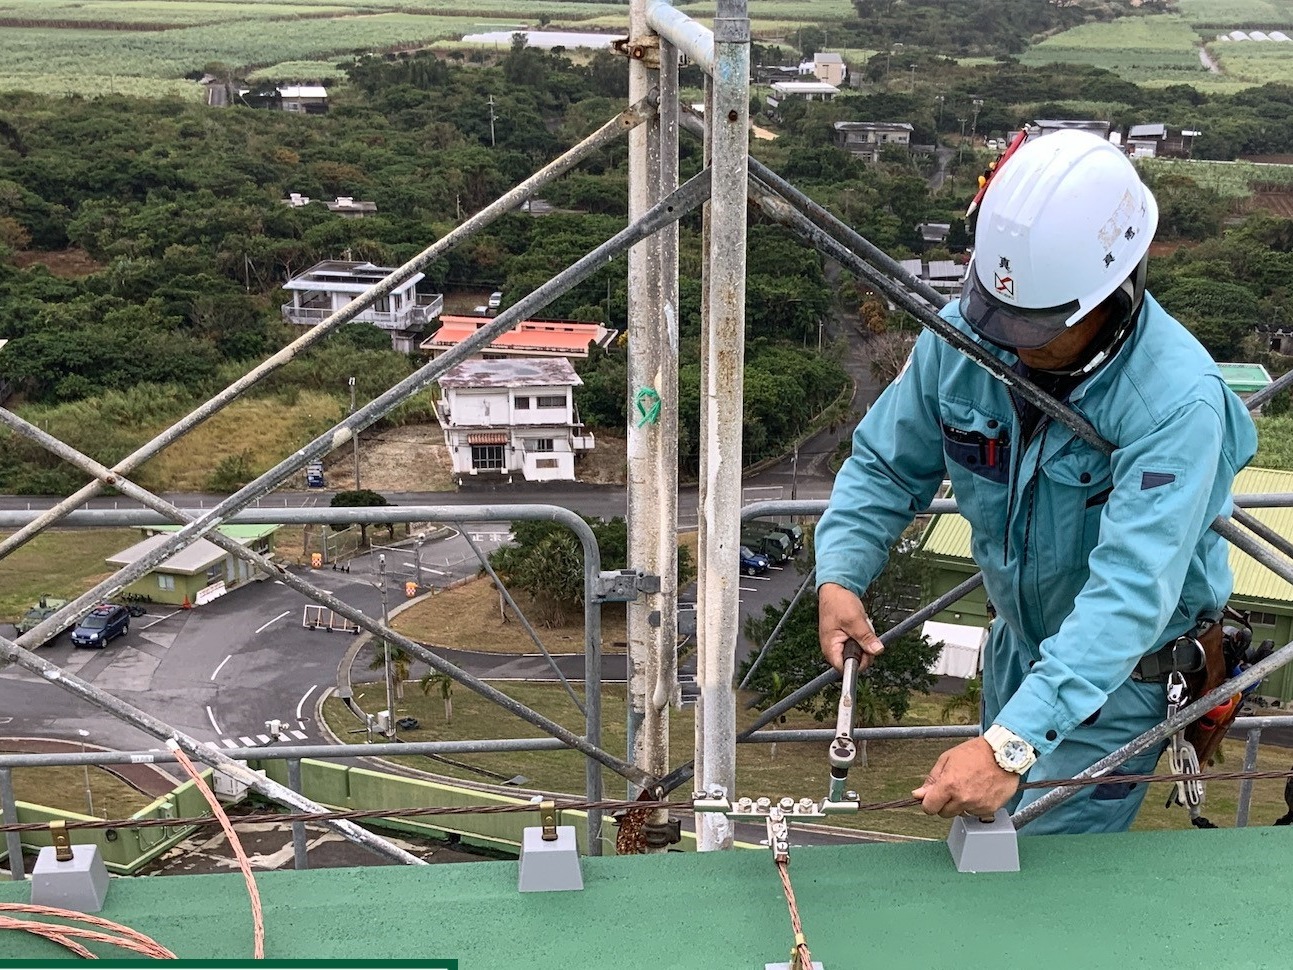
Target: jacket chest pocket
(1074,487)
(977,450)
(985,452)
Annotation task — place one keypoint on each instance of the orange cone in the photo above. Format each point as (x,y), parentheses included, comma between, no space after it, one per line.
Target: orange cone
(186,605)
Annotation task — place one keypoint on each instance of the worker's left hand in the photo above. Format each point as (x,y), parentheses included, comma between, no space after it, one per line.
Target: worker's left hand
(967,780)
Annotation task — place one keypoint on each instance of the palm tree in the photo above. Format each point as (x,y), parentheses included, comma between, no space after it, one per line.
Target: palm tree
(431,680)
(965,705)
(401,664)
(779,688)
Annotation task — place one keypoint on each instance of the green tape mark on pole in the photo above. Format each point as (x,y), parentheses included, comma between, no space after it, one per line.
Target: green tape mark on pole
(647,401)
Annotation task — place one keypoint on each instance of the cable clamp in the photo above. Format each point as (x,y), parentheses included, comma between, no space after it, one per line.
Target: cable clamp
(62,844)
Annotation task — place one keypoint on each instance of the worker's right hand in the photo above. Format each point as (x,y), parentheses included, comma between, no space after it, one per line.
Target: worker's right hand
(840,617)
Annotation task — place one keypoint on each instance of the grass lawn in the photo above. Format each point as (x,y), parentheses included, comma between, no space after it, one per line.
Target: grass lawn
(893,768)
(60,563)
(64,788)
(467,618)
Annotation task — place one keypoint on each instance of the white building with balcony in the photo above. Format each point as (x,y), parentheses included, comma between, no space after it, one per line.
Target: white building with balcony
(507,417)
(326,287)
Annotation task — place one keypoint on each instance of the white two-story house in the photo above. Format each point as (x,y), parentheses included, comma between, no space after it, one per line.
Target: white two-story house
(326,287)
(504,417)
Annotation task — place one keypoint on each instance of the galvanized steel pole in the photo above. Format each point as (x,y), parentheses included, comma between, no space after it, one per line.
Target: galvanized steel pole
(722,369)
(607,133)
(9,810)
(653,414)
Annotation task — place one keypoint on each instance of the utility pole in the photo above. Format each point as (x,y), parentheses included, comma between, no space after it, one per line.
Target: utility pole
(356,437)
(89,798)
(794,473)
(960,149)
(491,121)
(939,98)
(386,650)
(974,124)
(913,77)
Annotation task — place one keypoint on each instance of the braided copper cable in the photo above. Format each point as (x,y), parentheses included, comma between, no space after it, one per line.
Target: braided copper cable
(257,914)
(63,934)
(800,958)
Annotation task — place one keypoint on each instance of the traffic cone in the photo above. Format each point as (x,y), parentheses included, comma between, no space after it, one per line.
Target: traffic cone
(186,605)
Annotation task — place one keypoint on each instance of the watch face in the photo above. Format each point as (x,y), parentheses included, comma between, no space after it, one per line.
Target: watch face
(1014,754)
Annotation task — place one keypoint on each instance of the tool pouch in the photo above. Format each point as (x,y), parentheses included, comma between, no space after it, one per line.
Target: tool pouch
(1223,650)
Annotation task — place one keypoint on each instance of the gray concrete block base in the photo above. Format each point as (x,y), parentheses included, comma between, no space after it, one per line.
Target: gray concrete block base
(979,846)
(81,884)
(547,867)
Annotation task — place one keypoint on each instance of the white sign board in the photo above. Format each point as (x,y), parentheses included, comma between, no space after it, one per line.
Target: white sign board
(212,592)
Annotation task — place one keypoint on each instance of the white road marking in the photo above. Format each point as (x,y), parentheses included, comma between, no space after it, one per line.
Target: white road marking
(211,718)
(301,703)
(760,579)
(747,589)
(247,742)
(229,742)
(263,738)
(299,735)
(273,621)
(216,672)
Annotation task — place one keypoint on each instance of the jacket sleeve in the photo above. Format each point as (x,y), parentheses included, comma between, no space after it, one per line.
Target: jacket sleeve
(894,470)
(1165,495)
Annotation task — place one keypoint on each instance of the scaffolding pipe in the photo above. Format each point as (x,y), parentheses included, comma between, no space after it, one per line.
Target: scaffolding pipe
(670,209)
(691,38)
(1158,734)
(592,567)
(282,752)
(683,772)
(722,367)
(212,756)
(629,119)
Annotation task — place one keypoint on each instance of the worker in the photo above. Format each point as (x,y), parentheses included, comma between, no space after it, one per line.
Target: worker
(1093,562)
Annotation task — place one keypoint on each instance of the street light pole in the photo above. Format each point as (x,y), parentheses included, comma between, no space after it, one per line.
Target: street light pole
(913,77)
(491,121)
(356,437)
(386,651)
(974,125)
(89,797)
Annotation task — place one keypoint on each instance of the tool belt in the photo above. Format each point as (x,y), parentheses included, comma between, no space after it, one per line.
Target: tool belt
(1205,656)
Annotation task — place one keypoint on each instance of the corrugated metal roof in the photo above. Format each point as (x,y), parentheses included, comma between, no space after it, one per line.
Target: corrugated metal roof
(1147,131)
(189,561)
(948,536)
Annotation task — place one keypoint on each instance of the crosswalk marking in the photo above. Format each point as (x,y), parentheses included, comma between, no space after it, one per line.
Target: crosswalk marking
(261,740)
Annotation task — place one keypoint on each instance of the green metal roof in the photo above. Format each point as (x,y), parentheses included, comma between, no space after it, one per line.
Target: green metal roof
(948,537)
(243,533)
(1141,899)
(1244,378)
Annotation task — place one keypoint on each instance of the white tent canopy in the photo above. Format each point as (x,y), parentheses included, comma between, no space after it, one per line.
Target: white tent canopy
(961,648)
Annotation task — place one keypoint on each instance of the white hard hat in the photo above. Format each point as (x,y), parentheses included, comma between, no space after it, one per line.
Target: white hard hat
(1064,223)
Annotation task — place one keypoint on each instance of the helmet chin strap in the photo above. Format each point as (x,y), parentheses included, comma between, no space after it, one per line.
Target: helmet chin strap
(1129,297)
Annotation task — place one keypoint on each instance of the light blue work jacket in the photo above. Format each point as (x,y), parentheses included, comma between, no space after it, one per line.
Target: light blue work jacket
(1092,560)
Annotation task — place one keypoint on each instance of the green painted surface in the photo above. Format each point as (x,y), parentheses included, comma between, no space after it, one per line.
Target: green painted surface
(1080,901)
(242,532)
(1244,378)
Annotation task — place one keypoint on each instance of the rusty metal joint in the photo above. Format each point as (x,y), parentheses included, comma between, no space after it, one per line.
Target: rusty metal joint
(659,835)
(645,49)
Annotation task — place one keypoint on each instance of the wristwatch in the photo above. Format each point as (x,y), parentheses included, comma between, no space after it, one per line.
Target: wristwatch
(1012,752)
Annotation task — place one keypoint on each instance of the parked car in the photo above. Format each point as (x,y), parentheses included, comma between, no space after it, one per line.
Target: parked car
(100,625)
(43,610)
(794,533)
(495,301)
(774,545)
(753,562)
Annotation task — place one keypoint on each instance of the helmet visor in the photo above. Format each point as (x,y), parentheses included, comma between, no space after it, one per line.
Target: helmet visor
(1009,326)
